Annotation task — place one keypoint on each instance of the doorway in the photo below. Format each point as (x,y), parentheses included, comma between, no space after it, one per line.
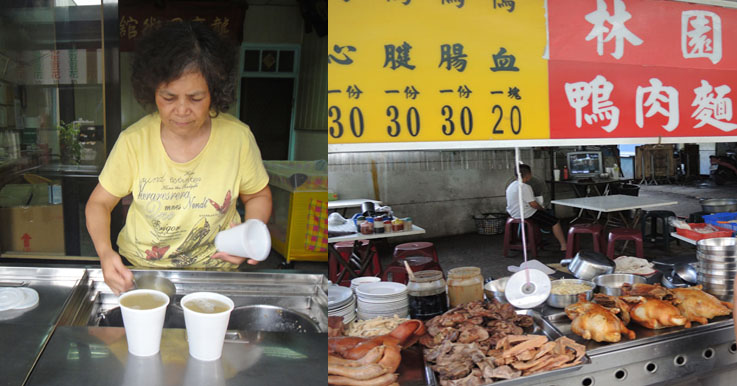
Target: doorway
(267,96)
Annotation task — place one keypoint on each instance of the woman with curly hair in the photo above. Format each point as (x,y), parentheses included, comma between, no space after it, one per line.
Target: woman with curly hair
(184,164)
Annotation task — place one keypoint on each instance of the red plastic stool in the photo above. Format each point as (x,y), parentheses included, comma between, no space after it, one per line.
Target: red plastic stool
(345,248)
(420,248)
(397,272)
(572,244)
(511,241)
(623,234)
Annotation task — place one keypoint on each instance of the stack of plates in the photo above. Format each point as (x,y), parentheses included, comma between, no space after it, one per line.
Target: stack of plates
(382,299)
(363,280)
(341,302)
(15,301)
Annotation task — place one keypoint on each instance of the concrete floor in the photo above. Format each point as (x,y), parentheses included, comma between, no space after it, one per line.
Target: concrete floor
(486,251)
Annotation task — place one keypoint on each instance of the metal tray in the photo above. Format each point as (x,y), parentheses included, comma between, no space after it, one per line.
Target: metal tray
(560,322)
(540,327)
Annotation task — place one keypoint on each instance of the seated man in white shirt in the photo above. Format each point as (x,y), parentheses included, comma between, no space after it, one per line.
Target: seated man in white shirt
(532,210)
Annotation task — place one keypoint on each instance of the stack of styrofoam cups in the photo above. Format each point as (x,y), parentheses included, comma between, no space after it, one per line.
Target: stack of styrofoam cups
(250,239)
(717,266)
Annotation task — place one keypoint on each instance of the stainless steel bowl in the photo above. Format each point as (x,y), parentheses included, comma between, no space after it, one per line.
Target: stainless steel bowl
(701,256)
(495,289)
(561,301)
(718,247)
(713,279)
(588,264)
(611,284)
(686,272)
(718,267)
(718,205)
(156,282)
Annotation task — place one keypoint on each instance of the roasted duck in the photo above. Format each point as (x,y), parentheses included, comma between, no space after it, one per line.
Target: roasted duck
(699,306)
(593,321)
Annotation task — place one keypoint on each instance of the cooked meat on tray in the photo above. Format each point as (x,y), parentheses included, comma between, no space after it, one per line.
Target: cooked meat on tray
(596,322)
(698,306)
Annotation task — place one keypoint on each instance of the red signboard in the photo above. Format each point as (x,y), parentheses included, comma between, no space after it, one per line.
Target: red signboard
(641,68)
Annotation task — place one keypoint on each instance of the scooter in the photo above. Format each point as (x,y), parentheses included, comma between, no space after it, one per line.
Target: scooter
(723,168)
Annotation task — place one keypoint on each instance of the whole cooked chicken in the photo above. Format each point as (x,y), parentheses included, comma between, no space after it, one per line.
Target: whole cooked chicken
(592,321)
(655,313)
(699,306)
(649,290)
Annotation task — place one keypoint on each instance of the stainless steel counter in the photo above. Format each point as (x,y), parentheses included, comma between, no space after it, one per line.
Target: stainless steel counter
(676,356)
(58,343)
(19,348)
(54,285)
(99,356)
(23,335)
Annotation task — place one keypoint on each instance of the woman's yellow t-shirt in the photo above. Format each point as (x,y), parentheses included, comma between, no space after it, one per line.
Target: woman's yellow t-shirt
(178,208)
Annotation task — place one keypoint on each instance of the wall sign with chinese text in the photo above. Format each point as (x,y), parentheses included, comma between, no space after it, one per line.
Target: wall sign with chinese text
(440,70)
(619,71)
(136,17)
(641,68)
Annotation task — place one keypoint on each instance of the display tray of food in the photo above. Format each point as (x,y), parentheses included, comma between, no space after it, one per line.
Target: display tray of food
(642,314)
(486,342)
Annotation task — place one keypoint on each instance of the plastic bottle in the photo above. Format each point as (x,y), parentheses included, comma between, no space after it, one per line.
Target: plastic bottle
(615,170)
(565,173)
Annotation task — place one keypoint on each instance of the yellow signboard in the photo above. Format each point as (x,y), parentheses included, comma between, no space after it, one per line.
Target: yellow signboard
(436,70)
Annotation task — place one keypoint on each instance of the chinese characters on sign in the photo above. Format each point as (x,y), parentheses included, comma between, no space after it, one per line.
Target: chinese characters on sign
(701,35)
(633,82)
(416,82)
(222,17)
(592,69)
(615,30)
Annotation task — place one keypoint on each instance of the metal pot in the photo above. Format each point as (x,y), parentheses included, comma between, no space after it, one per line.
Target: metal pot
(718,205)
(495,289)
(671,280)
(561,301)
(612,284)
(588,264)
(263,317)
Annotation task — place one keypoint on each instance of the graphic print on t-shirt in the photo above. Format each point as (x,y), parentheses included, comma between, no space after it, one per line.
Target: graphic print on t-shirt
(226,204)
(165,201)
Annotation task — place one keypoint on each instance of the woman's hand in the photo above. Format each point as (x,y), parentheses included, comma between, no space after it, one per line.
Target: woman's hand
(233,259)
(117,276)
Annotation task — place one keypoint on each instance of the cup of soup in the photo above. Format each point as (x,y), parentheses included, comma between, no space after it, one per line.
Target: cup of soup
(206,316)
(143,313)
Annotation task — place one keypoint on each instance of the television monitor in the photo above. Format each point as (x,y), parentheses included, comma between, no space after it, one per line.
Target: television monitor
(584,164)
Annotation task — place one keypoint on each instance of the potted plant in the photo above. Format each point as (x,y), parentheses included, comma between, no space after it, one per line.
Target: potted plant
(69,146)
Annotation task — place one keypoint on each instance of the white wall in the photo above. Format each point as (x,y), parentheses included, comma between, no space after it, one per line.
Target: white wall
(441,191)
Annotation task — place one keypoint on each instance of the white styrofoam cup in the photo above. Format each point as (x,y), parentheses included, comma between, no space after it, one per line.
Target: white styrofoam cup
(143,327)
(206,332)
(250,239)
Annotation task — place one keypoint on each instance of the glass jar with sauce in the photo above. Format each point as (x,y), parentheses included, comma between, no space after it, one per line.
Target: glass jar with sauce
(465,284)
(427,296)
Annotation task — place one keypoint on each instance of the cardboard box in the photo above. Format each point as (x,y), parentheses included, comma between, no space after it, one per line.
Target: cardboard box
(12,195)
(37,228)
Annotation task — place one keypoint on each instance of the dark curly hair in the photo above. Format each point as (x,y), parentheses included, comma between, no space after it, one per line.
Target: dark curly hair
(166,52)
